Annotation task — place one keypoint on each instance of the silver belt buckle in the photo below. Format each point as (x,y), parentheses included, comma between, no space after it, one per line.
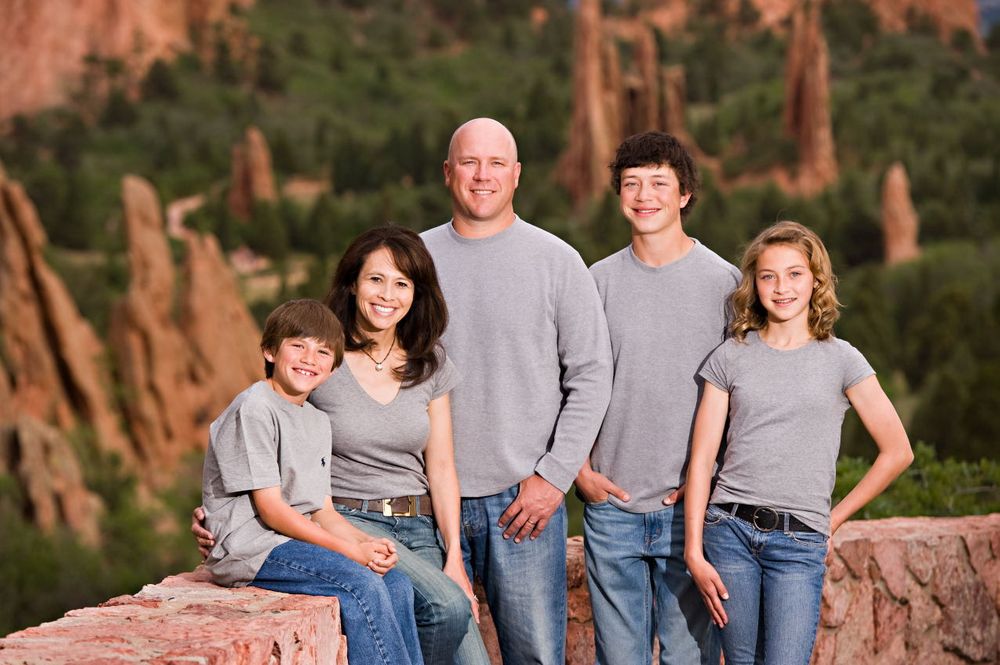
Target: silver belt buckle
(767,511)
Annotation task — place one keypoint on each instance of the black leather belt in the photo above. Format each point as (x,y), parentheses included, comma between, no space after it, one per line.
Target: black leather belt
(763,518)
(401,506)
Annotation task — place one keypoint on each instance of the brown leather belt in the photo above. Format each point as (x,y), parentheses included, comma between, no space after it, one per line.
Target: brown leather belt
(401,506)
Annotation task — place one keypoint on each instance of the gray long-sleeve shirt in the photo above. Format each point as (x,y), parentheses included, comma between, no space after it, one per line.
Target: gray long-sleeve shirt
(527,331)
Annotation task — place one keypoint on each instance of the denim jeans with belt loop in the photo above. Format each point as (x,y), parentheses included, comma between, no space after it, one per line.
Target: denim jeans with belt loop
(775,584)
(448,633)
(525,582)
(640,587)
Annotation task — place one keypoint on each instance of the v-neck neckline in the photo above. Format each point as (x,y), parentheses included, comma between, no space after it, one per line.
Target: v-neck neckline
(360,387)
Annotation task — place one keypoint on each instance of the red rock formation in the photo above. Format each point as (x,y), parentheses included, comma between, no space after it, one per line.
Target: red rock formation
(223,338)
(44,43)
(900,224)
(948,15)
(252,178)
(594,128)
(54,364)
(807,100)
(675,101)
(188,619)
(155,364)
(45,465)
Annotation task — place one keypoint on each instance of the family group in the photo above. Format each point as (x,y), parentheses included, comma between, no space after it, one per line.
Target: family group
(419,430)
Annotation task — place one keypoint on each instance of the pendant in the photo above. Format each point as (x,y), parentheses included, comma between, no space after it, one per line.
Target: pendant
(378,367)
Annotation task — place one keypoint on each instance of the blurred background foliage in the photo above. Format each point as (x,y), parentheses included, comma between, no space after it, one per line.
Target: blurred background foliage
(363,96)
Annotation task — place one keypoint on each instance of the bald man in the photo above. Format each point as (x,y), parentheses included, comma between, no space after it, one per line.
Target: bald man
(528,333)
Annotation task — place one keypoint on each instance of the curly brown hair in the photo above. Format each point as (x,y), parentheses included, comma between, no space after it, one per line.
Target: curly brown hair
(824,308)
(656,149)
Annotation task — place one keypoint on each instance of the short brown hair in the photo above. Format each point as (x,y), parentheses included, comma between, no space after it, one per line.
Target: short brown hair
(305,318)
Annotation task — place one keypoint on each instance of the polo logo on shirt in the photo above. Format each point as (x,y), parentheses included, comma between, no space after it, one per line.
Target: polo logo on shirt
(322,461)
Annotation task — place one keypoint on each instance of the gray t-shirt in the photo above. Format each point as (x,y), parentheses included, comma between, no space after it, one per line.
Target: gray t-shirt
(261,440)
(786,409)
(528,330)
(378,449)
(663,321)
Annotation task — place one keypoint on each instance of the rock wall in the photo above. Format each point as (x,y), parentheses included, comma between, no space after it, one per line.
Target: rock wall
(900,224)
(904,590)
(44,43)
(187,619)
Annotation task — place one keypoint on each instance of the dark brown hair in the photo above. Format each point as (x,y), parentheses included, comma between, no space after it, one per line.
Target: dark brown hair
(419,332)
(305,318)
(655,149)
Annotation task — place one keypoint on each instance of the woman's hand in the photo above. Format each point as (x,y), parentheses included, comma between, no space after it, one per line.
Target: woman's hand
(712,590)
(201,535)
(454,568)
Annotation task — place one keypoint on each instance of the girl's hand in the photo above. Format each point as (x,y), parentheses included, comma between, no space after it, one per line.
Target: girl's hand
(454,568)
(712,590)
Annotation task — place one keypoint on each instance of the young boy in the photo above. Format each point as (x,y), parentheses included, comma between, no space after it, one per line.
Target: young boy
(665,299)
(266,489)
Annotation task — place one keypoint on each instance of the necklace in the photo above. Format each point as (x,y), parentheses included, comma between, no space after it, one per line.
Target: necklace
(378,363)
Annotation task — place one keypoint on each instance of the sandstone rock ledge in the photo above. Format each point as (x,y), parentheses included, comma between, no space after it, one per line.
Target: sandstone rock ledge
(187,619)
(898,591)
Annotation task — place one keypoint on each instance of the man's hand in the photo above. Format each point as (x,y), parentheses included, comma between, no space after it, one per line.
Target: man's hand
(594,487)
(529,513)
(674,497)
(202,536)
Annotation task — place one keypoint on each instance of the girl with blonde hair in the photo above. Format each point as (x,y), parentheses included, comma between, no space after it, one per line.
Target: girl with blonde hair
(756,544)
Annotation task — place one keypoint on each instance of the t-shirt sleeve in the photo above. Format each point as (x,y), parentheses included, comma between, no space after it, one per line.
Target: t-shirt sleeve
(445,378)
(856,367)
(716,368)
(247,451)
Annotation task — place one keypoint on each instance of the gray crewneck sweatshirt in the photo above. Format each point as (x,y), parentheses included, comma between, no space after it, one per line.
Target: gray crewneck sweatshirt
(528,334)
(664,322)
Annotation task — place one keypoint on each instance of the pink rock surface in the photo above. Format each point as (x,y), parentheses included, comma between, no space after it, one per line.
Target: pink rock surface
(188,619)
(904,590)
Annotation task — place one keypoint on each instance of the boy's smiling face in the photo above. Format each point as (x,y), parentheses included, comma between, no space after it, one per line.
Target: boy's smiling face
(300,365)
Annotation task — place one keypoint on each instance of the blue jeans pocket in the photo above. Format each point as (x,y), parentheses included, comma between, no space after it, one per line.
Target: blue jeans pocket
(714,516)
(808,538)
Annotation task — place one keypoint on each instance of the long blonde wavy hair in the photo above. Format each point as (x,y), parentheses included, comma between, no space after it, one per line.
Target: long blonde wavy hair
(824,308)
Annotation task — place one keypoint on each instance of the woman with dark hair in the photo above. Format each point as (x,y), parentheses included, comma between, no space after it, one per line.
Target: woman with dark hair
(392,465)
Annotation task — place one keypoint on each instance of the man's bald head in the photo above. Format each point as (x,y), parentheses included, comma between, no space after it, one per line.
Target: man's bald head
(486,128)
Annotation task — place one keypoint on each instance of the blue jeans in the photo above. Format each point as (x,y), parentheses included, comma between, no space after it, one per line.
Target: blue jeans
(525,582)
(448,633)
(775,584)
(376,612)
(639,586)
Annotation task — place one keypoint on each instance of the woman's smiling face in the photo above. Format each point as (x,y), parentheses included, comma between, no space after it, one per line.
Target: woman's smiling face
(384,295)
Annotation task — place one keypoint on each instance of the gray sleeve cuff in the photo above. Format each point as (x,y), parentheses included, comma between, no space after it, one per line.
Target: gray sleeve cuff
(555,472)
